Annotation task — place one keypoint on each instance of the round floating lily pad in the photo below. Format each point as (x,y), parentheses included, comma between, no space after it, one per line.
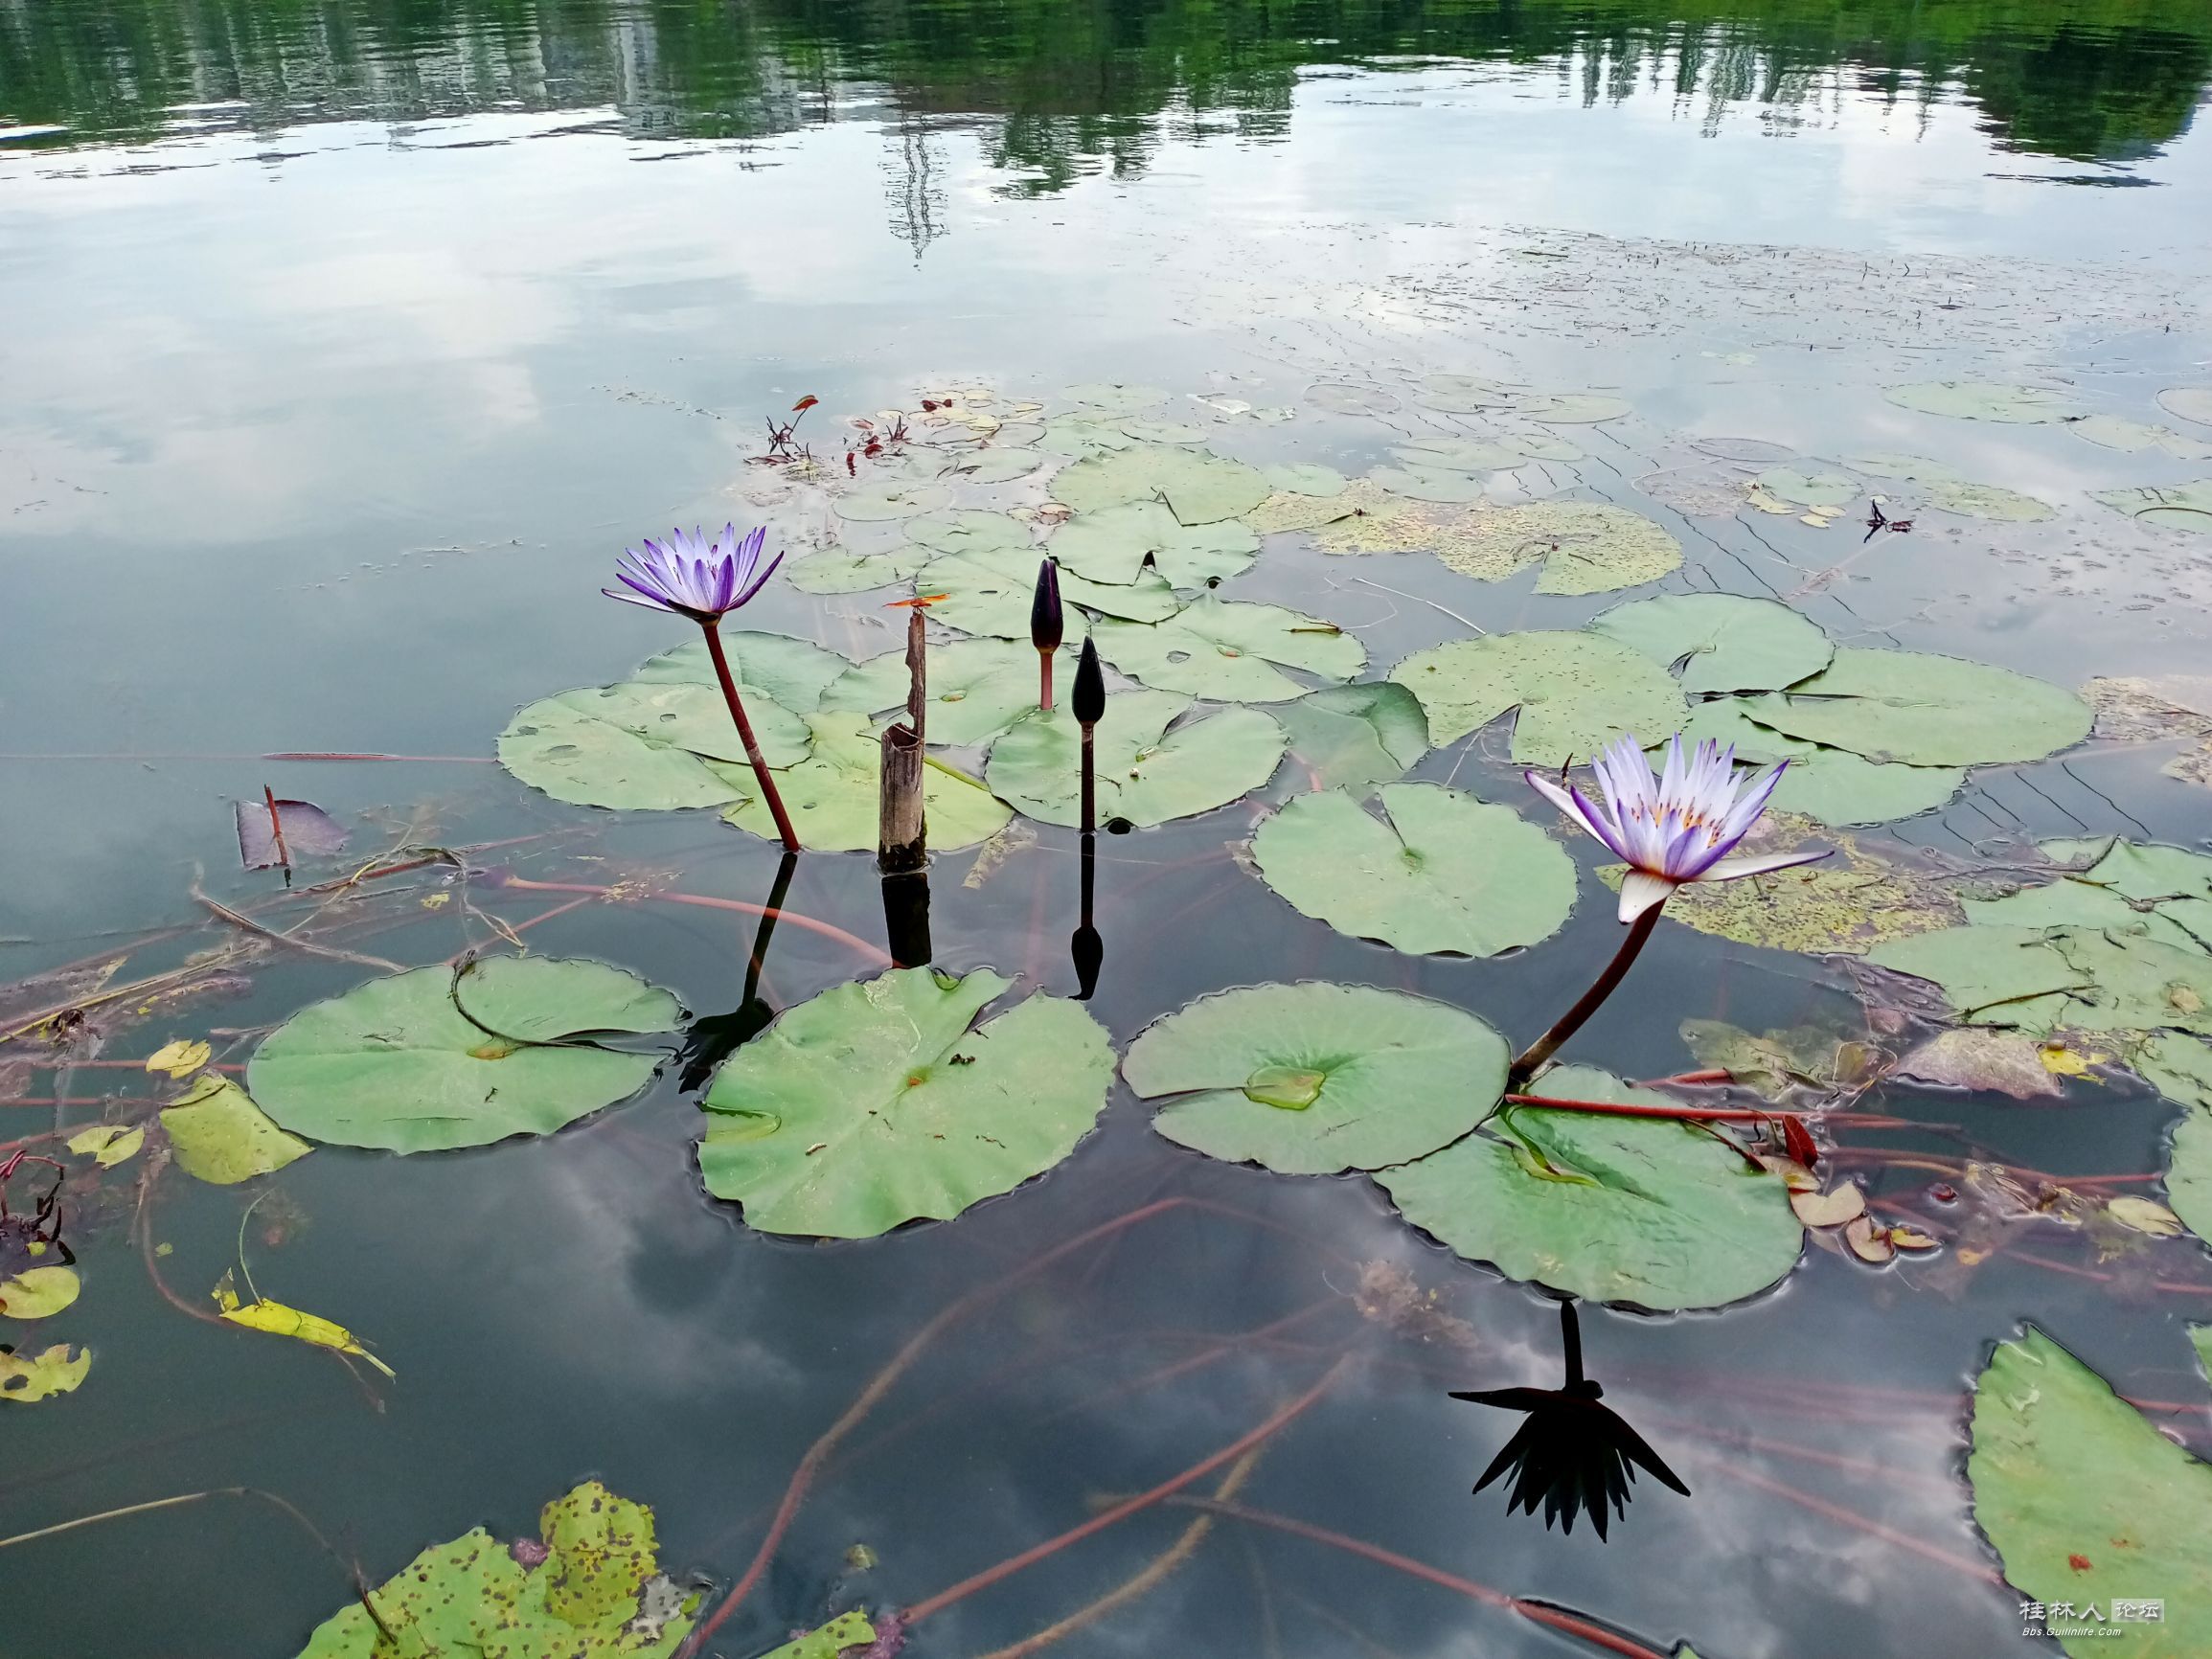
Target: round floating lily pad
(1354,736)
(1586,547)
(784,669)
(832,795)
(1466,394)
(834,570)
(874,1103)
(2188,402)
(990,591)
(1085,433)
(427,1061)
(1113,544)
(1461,454)
(38,1292)
(2085,1502)
(1927,710)
(2175,506)
(1114,397)
(1724,643)
(1311,1079)
(1147,773)
(1802,489)
(1230,651)
(2134,437)
(219,1135)
(1438,870)
(2010,977)
(1196,486)
(872,502)
(598,1593)
(1986,501)
(1575,692)
(969,530)
(1574,408)
(976,687)
(1832,786)
(1341,398)
(1982,400)
(1304,478)
(1644,1211)
(643,744)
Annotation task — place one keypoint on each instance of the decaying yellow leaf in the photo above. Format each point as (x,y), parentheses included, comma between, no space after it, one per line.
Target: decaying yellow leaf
(279,1319)
(1828,1209)
(2062,1061)
(180,1059)
(2145,1215)
(1913,1238)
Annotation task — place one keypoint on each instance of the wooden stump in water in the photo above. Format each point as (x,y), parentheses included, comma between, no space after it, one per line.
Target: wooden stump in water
(901,842)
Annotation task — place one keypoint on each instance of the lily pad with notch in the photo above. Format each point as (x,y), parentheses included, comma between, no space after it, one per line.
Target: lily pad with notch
(1152,765)
(977,688)
(786,671)
(1832,786)
(1649,1211)
(2171,507)
(1354,736)
(435,1059)
(1196,484)
(1315,1078)
(880,1102)
(1115,545)
(1230,651)
(645,744)
(989,591)
(1722,641)
(1437,871)
(2009,404)
(831,796)
(1921,709)
(1584,546)
(1574,692)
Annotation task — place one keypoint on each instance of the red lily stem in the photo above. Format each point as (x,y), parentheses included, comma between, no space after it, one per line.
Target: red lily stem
(278,755)
(1851,1518)
(1129,1506)
(1542,1613)
(1700,1113)
(1526,1062)
(827,930)
(1716,1075)
(277,827)
(1044,681)
(714,633)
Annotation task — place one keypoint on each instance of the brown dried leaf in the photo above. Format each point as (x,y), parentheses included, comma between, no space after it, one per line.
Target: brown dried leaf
(1868,1242)
(1845,1203)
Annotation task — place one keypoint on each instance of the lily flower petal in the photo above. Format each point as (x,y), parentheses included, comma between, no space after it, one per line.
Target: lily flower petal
(1641,890)
(1729,868)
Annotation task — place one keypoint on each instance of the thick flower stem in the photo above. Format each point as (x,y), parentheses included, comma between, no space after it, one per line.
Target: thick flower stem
(746,733)
(1526,1062)
(1044,681)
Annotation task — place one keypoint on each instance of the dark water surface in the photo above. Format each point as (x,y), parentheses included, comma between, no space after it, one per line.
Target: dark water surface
(343,345)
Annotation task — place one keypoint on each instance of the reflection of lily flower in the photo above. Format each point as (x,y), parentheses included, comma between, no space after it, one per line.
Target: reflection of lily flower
(694,577)
(1571,1452)
(1677,827)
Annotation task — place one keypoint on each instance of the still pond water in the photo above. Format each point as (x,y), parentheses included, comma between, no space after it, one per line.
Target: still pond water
(347,343)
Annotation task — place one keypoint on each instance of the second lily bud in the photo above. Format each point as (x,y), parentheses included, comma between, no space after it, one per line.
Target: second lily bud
(1047,628)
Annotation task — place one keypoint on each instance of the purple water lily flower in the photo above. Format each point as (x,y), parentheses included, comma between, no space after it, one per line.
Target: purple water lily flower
(694,577)
(1678,826)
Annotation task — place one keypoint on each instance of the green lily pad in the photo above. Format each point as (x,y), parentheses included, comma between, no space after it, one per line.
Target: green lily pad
(1987,501)
(2188,402)
(1575,692)
(969,530)
(31,1377)
(1574,408)
(38,1292)
(2145,871)
(1354,736)
(1309,477)
(2180,1069)
(645,744)
(1147,773)
(1481,454)
(845,1630)
(1466,394)
(1230,651)
(834,570)
(893,498)
(1802,489)
(996,464)
(1832,786)
(2010,977)
(599,1594)
(990,592)
(2173,507)
(1585,546)
(832,795)
(1112,544)
(1644,1211)
(1921,709)
(1080,433)
(874,1103)
(1152,431)
(2134,437)
(397,1063)
(2087,1503)
(108,1144)
(1361,1078)
(1439,871)
(1114,397)
(2135,982)
(1197,487)
(2078,901)
(221,1137)
(1722,643)
(1429,484)
(977,688)
(1982,400)
(786,670)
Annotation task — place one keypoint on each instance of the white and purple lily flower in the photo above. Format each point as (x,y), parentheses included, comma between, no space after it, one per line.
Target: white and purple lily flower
(1678,827)
(694,577)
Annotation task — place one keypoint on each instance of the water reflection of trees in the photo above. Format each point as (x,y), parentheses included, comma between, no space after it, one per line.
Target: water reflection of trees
(1061,88)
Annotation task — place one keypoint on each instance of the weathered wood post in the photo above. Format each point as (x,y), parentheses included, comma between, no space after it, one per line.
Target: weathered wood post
(901,833)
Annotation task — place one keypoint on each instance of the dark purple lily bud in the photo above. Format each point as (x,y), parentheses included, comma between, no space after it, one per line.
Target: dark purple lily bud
(1046,626)
(1088,705)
